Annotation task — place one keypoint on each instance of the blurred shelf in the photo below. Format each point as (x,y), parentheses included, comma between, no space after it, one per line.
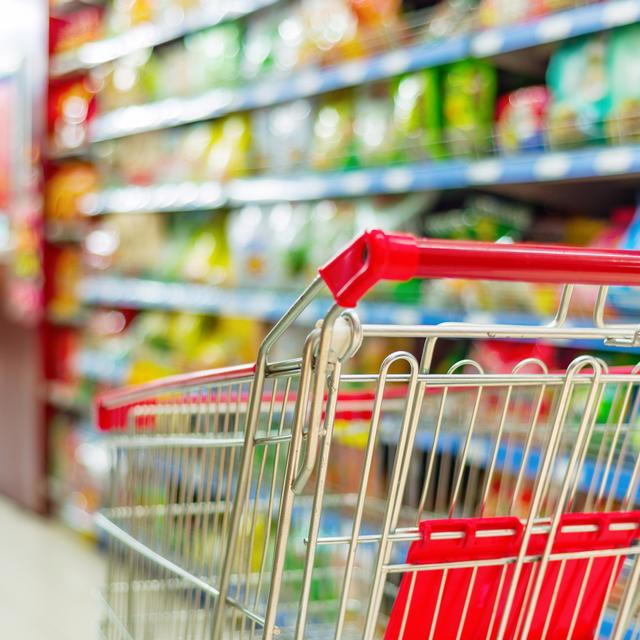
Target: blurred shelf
(525,172)
(65,396)
(268,305)
(184,196)
(594,163)
(501,41)
(175,25)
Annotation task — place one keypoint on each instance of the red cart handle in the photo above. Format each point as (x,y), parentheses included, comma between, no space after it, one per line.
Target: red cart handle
(376,256)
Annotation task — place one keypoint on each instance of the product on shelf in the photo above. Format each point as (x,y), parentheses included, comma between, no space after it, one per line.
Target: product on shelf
(116,242)
(70,106)
(208,59)
(64,188)
(492,13)
(520,119)
(580,92)
(332,146)
(469,96)
(281,136)
(269,245)
(372,125)
(228,151)
(127,81)
(273,30)
(158,343)
(417,116)
(65,271)
(623,122)
(72,29)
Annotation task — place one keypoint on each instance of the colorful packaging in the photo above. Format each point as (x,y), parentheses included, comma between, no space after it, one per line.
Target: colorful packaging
(70,106)
(332,146)
(372,126)
(521,118)
(72,29)
(469,96)
(271,245)
(417,116)
(65,187)
(580,93)
(228,152)
(282,136)
(623,121)
(492,13)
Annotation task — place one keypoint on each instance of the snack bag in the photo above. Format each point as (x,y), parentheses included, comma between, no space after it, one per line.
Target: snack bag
(417,116)
(520,119)
(228,153)
(469,95)
(65,187)
(623,120)
(580,92)
(332,146)
(206,258)
(492,13)
(213,57)
(372,126)
(282,136)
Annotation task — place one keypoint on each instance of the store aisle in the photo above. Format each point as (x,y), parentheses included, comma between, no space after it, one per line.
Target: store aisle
(49,579)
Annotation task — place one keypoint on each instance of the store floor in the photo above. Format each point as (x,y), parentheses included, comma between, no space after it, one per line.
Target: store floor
(49,579)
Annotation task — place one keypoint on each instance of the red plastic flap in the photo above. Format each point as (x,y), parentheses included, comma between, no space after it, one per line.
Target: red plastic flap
(439,600)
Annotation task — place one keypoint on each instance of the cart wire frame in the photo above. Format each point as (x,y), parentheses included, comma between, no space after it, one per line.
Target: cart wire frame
(229,514)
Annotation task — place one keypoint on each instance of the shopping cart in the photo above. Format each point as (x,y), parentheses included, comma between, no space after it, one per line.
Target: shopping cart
(305,498)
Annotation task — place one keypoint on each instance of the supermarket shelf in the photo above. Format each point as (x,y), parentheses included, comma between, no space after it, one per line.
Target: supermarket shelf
(184,196)
(261,304)
(175,25)
(174,112)
(522,168)
(595,163)
(270,306)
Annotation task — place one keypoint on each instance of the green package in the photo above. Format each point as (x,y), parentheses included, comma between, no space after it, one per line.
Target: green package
(332,146)
(580,92)
(623,64)
(215,53)
(469,98)
(417,116)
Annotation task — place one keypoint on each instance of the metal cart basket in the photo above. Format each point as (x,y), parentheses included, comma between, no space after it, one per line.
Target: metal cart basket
(305,498)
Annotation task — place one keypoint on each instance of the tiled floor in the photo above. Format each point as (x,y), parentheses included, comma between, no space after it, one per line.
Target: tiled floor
(49,579)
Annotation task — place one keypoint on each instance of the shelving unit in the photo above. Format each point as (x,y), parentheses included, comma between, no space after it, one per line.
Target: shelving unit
(554,28)
(541,176)
(177,24)
(543,169)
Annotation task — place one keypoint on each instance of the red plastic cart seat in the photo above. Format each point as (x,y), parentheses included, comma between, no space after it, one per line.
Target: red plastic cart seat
(480,622)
